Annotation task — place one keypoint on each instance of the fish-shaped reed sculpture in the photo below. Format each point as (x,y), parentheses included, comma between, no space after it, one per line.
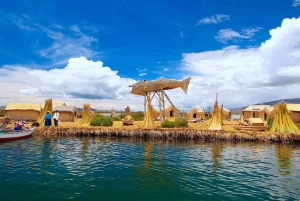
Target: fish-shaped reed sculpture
(141,88)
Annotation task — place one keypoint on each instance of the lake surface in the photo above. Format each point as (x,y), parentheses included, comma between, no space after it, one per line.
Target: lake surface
(138,169)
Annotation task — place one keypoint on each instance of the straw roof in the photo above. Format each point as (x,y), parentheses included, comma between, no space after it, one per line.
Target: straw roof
(72,109)
(293,107)
(54,104)
(24,106)
(256,107)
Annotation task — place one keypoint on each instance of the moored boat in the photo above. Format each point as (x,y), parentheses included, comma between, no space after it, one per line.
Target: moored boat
(250,128)
(253,124)
(13,135)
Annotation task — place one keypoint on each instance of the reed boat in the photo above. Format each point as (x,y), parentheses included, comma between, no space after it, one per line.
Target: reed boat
(14,135)
(250,128)
(252,124)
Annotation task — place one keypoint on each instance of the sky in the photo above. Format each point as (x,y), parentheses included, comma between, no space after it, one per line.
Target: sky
(78,52)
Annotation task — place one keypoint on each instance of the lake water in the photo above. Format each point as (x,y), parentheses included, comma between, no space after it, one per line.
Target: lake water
(138,169)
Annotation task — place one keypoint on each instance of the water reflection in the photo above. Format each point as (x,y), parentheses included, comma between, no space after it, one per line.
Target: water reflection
(216,152)
(284,154)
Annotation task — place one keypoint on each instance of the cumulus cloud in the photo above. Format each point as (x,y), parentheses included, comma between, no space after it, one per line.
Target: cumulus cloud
(225,35)
(214,19)
(251,75)
(296,3)
(81,78)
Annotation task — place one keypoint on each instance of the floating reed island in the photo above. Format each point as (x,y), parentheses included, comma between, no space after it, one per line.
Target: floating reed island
(171,134)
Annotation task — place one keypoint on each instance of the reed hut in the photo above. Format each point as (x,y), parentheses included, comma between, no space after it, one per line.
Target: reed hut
(266,113)
(253,111)
(226,114)
(23,111)
(294,111)
(171,112)
(196,113)
(66,113)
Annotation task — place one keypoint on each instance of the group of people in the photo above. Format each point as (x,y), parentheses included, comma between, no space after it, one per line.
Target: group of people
(20,126)
(48,118)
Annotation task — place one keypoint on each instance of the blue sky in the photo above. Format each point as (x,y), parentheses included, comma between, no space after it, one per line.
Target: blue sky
(90,51)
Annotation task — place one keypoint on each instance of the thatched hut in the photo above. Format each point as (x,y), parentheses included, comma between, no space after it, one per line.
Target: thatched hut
(294,111)
(226,114)
(253,111)
(23,111)
(196,113)
(171,112)
(66,113)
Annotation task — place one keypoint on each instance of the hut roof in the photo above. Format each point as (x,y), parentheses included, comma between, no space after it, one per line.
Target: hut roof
(65,109)
(226,111)
(293,107)
(268,109)
(24,106)
(54,104)
(256,107)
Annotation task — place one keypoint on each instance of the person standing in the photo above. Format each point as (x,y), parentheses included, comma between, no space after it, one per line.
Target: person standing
(48,118)
(56,117)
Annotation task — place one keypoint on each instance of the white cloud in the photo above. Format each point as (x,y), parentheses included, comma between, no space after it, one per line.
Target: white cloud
(142,74)
(214,19)
(296,3)
(247,76)
(81,78)
(225,35)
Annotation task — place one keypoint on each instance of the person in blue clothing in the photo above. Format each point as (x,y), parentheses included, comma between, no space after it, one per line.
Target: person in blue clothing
(48,118)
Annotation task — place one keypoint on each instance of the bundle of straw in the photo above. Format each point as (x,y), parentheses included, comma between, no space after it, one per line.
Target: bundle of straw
(47,107)
(216,120)
(148,121)
(87,115)
(262,115)
(241,119)
(282,121)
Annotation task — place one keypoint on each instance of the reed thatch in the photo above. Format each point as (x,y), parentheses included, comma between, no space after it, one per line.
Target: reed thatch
(241,119)
(128,120)
(148,120)
(47,107)
(23,111)
(66,113)
(294,111)
(196,113)
(171,112)
(282,121)
(87,115)
(253,111)
(216,120)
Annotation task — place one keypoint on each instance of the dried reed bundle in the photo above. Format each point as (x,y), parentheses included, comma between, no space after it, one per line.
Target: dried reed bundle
(282,121)
(216,120)
(262,115)
(87,115)
(47,107)
(241,119)
(148,121)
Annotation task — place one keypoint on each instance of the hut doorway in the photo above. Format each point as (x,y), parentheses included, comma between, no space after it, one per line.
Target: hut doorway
(171,113)
(194,115)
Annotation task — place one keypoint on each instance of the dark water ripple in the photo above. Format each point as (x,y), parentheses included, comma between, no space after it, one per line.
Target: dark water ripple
(138,169)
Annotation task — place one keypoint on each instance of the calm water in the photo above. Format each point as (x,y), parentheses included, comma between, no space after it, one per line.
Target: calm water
(139,169)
